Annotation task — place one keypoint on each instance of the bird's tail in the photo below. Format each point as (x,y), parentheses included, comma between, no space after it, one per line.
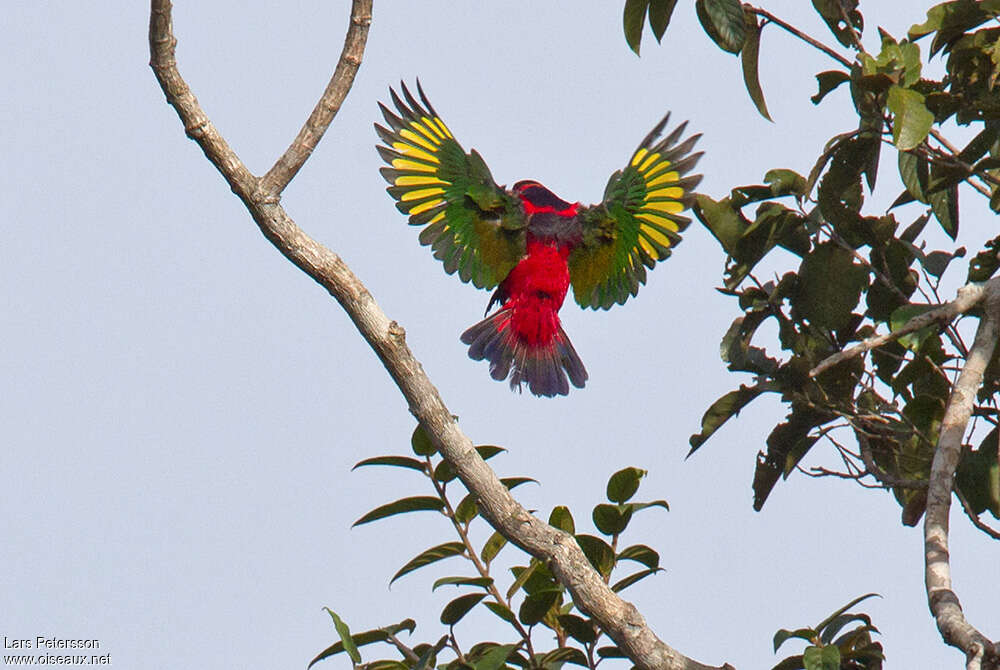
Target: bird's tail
(543,367)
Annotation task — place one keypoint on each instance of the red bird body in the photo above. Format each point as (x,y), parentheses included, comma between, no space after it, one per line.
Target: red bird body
(529,244)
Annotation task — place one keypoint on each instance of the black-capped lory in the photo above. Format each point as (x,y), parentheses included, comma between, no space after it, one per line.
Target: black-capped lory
(530,245)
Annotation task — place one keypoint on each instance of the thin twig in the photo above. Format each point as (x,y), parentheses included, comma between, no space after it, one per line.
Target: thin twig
(801,35)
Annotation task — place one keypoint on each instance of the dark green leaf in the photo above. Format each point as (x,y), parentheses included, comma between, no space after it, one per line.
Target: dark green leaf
(936,262)
(402,506)
(623,584)
(429,655)
(721,411)
(830,285)
(828,81)
(656,503)
(833,12)
(837,624)
(535,606)
(749,57)
(610,652)
(521,576)
(623,484)
(611,520)
(944,204)
(459,607)
(397,461)
(514,482)
(724,23)
(467,509)
(659,16)
(786,182)
(500,610)
(421,443)
(580,629)
(562,519)
(978,476)
(985,264)
(488,451)
(483,582)
(432,555)
(598,552)
(913,170)
(826,622)
(784,635)
(345,636)
(495,658)
(641,554)
(790,663)
(444,473)
(556,657)
(367,637)
(492,547)
(633,20)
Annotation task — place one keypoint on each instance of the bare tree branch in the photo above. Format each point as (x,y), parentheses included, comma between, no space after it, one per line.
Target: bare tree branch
(943,601)
(967,298)
(620,619)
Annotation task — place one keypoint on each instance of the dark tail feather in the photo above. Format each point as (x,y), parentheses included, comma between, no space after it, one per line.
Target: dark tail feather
(542,368)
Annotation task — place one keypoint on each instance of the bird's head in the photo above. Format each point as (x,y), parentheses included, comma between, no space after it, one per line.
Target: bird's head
(537,199)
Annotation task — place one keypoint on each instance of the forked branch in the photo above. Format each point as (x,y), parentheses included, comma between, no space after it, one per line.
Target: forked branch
(618,618)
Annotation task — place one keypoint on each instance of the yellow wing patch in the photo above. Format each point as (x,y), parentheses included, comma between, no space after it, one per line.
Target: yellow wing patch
(662,196)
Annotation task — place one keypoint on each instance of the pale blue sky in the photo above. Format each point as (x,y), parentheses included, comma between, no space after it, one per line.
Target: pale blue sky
(181,407)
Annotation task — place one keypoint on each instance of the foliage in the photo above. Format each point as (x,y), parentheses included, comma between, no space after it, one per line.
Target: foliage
(529,598)
(829,649)
(849,274)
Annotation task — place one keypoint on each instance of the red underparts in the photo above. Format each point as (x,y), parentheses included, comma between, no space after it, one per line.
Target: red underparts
(536,288)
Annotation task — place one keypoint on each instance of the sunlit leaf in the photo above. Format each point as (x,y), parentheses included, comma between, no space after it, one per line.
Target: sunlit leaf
(493,545)
(345,636)
(911,120)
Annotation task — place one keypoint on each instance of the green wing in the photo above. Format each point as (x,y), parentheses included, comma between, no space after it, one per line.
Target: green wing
(639,221)
(474,226)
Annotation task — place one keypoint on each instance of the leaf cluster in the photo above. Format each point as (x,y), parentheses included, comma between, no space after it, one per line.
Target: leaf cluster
(524,598)
(831,649)
(850,274)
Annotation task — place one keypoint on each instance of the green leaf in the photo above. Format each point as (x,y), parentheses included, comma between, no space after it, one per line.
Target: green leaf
(821,658)
(432,555)
(421,443)
(837,624)
(721,411)
(633,21)
(367,637)
(483,582)
(610,652)
(623,484)
(749,56)
(579,629)
(785,182)
(562,519)
(944,204)
(828,81)
(429,655)
(830,286)
(402,506)
(345,636)
(444,473)
(901,315)
(783,635)
(790,663)
(659,16)
(623,584)
(492,547)
(536,605)
(724,23)
(556,657)
(611,520)
(913,170)
(496,657)
(656,503)
(598,552)
(911,118)
(459,607)
(521,576)
(500,610)
(514,482)
(641,554)
(826,622)
(978,476)
(467,509)
(488,451)
(396,461)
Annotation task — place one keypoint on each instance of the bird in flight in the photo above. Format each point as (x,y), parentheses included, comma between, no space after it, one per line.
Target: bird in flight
(528,244)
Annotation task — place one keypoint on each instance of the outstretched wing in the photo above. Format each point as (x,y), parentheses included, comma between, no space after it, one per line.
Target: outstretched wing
(474,226)
(638,222)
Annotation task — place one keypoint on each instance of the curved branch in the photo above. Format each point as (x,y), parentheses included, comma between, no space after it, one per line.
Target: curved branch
(620,619)
(944,604)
